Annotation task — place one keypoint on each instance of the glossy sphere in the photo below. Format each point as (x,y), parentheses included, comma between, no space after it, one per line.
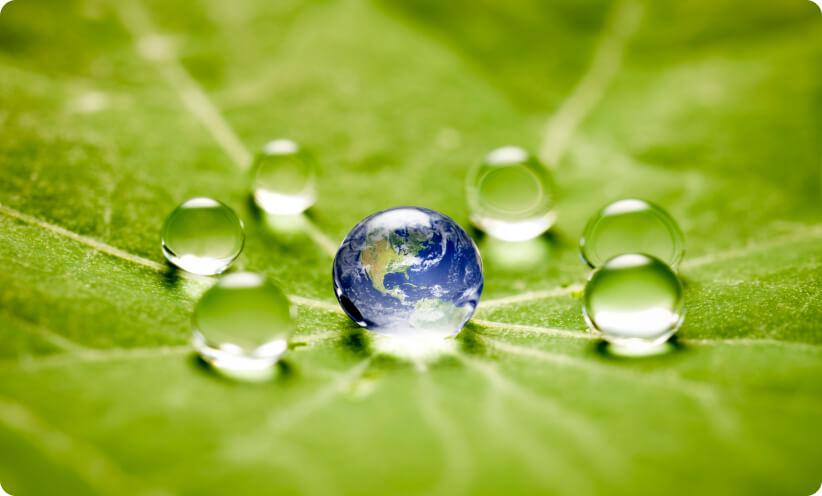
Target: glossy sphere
(511,195)
(284,178)
(408,271)
(202,236)
(634,300)
(632,226)
(242,324)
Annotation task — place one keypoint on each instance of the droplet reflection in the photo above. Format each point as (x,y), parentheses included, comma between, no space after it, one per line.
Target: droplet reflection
(515,256)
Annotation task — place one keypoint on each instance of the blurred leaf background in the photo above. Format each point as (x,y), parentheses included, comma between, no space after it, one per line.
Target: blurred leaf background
(111,113)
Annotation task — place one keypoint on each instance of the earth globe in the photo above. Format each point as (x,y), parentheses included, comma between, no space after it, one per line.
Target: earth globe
(408,271)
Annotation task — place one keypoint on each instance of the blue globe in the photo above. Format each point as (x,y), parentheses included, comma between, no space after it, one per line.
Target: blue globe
(408,270)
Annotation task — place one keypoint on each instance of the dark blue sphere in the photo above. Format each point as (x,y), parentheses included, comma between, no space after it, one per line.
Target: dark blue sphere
(408,270)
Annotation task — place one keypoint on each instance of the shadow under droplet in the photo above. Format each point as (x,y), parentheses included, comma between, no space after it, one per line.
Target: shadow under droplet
(686,280)
(519,256)
(171,276)
(176,279)
(282,371)
(285,229)
(612,351)
(286,371)
(469,342)
(251,209)
(356,340)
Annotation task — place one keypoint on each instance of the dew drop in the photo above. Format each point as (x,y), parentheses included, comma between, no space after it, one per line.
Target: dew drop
(202,236)
(631,226)
(284,177)
(635,301)
(242,326)
(511,195)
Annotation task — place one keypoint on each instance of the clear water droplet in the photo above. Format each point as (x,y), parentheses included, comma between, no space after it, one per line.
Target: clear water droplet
(511,195)
(632,226)
(242,325)
(202,236)
(284,177)
(635,301)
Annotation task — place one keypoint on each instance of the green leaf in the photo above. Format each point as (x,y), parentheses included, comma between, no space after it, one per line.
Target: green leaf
(112,113)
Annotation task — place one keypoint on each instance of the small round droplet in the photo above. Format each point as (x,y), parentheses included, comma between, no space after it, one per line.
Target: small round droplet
(202,236)
(284,178)
(511,195)
(631,226)
(635,301)
(242,325)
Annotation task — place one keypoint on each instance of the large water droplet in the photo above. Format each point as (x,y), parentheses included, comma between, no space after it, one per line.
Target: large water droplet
(242,325)
(634,300)
(632,226)
(511,195)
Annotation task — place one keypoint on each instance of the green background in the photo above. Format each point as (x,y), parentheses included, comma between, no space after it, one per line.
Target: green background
(111,113)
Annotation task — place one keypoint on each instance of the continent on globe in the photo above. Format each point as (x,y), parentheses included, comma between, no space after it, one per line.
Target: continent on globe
(408,270)
(392,255)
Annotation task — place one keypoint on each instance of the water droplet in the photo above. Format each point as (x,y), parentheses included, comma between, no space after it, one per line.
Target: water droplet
(511,195)
(632,226)
(242,325)
(635,301)
(202,236)
(284,178)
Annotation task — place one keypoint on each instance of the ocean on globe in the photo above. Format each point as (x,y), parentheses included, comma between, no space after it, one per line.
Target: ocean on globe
(407,271)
